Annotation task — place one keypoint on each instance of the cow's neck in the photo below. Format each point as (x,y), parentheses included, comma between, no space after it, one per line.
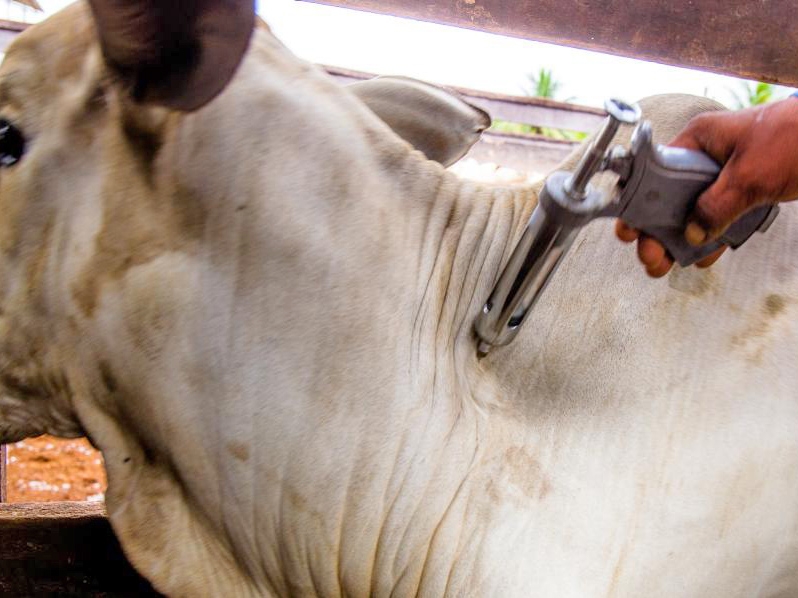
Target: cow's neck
(466,237)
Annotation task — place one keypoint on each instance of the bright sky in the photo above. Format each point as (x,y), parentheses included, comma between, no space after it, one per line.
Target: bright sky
(389,45)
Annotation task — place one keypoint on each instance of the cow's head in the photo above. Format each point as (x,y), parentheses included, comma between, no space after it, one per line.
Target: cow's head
(147,165)
(89,100)
(186,242)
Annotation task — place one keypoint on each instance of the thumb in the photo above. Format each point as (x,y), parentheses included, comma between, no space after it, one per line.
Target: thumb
(720,205)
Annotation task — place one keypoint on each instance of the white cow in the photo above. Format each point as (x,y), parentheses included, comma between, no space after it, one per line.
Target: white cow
(261,311)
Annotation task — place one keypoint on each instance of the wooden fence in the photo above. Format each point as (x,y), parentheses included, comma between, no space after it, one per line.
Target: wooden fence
(518,151)
(63,549)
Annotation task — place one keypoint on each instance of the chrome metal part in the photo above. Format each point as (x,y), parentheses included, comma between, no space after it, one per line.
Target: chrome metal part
(565,205)
(535,258)
(619,113)
(655,193)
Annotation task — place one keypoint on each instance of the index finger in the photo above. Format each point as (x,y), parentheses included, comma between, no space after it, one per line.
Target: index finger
(687,140)
(714,133)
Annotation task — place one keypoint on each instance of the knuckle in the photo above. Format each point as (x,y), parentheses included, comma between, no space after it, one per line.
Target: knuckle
(747,186)
(701,122)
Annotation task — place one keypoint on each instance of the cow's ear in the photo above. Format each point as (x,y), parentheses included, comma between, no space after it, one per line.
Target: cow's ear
(439,123)
(178,54)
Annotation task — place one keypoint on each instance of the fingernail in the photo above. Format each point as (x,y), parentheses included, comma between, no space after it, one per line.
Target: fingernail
(694,234)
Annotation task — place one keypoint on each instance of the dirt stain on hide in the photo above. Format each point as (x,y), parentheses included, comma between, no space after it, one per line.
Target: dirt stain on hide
(774,305)
(239,450)
(693,282)
(754,340)
(520,478)
(139,224)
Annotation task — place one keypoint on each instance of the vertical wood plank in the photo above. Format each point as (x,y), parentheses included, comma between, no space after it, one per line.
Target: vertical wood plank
(64,549)
(3,468)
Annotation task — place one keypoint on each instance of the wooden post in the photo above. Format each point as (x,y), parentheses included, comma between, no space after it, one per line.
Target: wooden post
(64,549)
(3,455)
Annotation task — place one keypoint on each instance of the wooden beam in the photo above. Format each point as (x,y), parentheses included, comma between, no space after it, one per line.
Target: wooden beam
(753,40)
(63,549)
(530,154)
(13,26)
(524,153)
(540,112)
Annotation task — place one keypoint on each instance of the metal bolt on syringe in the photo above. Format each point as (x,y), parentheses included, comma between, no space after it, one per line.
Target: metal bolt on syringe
(619,113)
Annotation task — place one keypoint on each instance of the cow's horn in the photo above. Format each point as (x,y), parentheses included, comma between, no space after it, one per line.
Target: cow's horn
(175,53)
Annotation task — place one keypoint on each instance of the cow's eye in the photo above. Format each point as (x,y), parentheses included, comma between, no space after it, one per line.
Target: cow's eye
(12,144)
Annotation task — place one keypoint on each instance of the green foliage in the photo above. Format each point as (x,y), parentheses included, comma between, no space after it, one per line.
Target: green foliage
(542,85)
(572,135)
(753,94)
(505,126)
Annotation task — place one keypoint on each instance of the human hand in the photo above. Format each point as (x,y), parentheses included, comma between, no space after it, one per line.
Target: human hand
(758,148)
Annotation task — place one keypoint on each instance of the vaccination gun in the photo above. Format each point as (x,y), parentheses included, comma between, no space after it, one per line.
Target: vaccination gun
(656,190)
